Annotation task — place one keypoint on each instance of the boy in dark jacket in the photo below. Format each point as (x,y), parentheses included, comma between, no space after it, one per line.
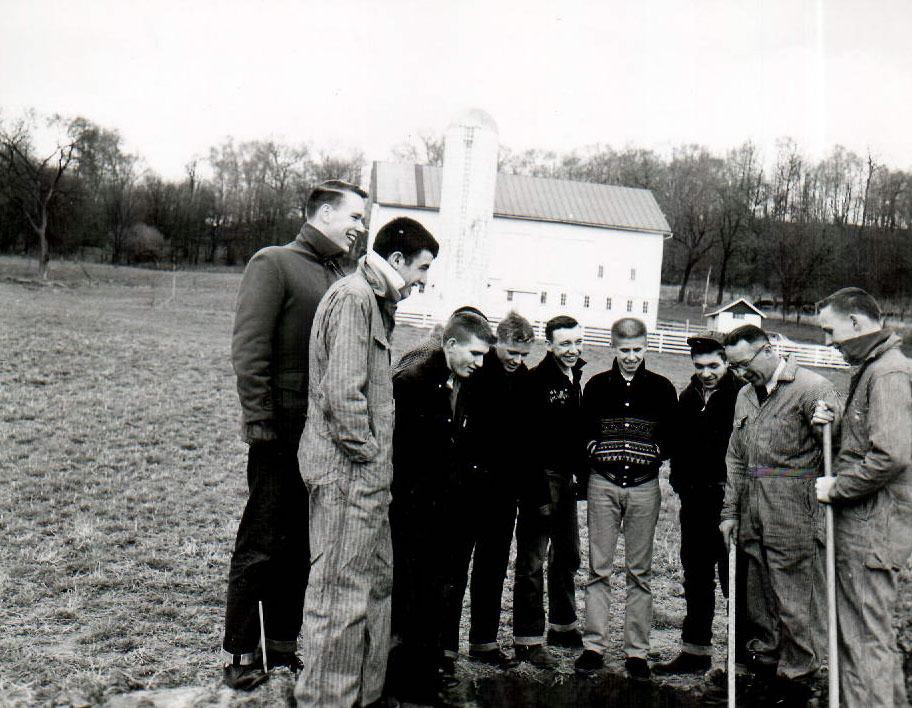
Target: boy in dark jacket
(706,409)
(555,408)
(438,455)
(628,414)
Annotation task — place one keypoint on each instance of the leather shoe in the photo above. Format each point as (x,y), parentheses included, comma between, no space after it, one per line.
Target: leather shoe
(288,659)
(588,662)
(685,663)
(244,678)
(637,667)
(494,657)
(537,655)
(568,639)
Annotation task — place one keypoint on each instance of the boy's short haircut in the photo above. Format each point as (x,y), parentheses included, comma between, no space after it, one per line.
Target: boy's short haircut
(559,322)
(852,300)
(463,325)
(627,328)
(515,328)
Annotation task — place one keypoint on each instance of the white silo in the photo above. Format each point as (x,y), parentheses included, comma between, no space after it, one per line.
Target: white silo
(466,211)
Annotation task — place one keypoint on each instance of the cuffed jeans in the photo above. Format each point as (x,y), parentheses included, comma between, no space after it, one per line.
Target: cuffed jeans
(635,511)
(483,522)
(533,534)
(266,566)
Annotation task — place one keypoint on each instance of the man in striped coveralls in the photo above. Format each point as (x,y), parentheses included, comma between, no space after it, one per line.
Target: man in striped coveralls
(871,496)
(774,455)
(346,462)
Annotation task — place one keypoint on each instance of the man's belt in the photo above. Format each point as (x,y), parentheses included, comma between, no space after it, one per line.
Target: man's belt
(793,472)
(631,477)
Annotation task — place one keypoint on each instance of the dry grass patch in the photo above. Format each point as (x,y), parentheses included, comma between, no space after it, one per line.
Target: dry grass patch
(123,482)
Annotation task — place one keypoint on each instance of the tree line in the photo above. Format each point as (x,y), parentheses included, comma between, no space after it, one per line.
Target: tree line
(789,225)
(69,187)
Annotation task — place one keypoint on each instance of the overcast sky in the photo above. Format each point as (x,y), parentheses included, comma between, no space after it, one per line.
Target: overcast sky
(177,76)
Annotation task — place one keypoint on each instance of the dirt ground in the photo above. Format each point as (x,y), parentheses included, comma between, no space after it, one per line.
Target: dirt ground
(121,485)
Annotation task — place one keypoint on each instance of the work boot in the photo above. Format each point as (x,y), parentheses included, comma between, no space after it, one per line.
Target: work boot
(493,657)
(244,677)
(637,667)
(566,638)
(537,655)
(588,663)
(685,663)
(288,659)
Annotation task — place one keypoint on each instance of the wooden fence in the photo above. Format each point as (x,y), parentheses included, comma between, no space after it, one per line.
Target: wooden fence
(665,339)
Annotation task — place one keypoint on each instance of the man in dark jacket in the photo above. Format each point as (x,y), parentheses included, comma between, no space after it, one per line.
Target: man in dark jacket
(628,416)
(279,294)
(555,392)
(437,458)
(871,495)
(706,409)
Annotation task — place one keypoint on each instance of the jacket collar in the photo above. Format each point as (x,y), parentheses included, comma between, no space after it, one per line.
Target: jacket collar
(868,346)
(551,363)
(726,383)
(318,242)
(637,375)
(381,276)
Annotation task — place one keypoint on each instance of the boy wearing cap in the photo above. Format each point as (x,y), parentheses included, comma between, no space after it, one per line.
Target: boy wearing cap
(706,409)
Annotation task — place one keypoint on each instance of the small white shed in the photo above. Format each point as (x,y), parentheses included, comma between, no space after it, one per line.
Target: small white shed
(733,315)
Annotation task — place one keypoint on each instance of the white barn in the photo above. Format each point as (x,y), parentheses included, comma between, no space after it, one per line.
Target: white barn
(540,246)
(733,315)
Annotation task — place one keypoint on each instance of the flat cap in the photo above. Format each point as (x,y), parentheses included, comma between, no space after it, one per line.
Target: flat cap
(707,340)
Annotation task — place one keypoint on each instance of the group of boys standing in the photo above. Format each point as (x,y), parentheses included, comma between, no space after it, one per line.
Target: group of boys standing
(409,473)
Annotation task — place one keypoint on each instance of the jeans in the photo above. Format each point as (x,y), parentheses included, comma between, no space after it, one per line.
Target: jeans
(702,551)
(483,522)
(266,566)
(635,510)
(534,532)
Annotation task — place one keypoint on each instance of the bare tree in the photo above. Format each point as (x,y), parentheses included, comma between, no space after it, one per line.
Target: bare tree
(34,178)
(691,202)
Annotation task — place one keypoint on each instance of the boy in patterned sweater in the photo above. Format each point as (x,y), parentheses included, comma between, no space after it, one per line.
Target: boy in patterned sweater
(627,413)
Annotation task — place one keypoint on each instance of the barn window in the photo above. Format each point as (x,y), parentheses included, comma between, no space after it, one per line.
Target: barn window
(633,273)
(586,301)
(630,306)
(738,315)
(563,299)
(544,297)
(607,303)
(645,307)
(509,296)
(601,271)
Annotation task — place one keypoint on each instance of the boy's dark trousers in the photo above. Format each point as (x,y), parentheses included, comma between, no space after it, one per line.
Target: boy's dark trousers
(534,533)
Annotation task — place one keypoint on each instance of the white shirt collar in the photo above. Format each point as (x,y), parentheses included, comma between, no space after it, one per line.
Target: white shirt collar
(774,379)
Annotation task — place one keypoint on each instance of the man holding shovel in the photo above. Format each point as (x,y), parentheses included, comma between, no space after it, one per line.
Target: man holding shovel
(871,494)
(774,455)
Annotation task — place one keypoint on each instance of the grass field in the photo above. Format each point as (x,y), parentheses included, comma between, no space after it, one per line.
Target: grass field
(121,485)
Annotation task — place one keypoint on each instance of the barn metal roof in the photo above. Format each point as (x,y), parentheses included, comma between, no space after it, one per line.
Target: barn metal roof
(521,197)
